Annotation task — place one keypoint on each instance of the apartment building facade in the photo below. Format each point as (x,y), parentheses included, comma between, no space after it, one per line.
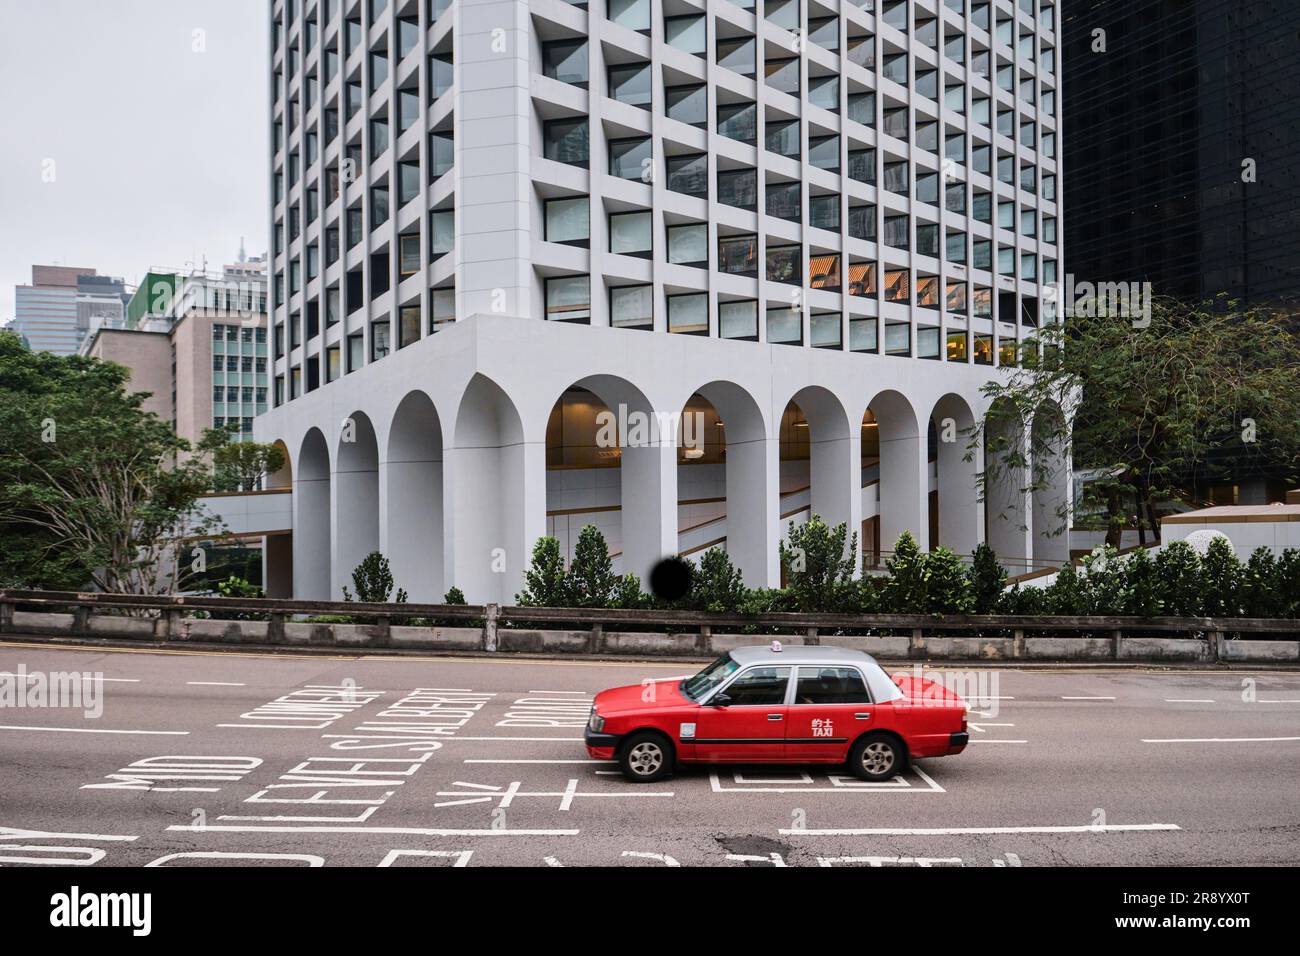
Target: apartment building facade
(198,343)
(793,238)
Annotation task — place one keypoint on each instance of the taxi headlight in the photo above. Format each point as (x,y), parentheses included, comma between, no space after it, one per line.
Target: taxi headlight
(596,723)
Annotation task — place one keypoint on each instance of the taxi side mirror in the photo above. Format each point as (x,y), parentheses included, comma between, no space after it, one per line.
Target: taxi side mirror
(720,700)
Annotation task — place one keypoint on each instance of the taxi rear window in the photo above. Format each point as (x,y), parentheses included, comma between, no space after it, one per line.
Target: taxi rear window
(831,685)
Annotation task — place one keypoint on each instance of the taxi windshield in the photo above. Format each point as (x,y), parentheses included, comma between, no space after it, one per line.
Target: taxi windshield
(696,687)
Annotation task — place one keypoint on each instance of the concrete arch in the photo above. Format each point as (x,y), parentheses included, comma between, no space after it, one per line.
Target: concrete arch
(311,519)
(283,477)
(1006,487)
(834,457)
(356,498)
(904,469)
(494,495)
(956,478)
(411,490)
(647,443)
(1051,496)
(752,482)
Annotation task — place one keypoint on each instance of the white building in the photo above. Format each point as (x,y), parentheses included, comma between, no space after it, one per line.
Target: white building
(820,225)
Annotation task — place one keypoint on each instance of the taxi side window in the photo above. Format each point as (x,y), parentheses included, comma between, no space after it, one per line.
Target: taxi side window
(762,685)
(831,685)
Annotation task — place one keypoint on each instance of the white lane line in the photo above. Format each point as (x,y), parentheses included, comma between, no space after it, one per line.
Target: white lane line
(1215,740)
(87,730)
(1087,698)
(1280,701)
(530,760)
(106,680)
(959,831)
(1188,700)
(567,740)
(404,831)
(213,683)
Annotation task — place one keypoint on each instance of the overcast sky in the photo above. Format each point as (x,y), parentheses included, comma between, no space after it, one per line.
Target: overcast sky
(157,135)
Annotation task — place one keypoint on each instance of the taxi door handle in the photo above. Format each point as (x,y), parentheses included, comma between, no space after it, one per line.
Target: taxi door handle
(773,716)
(861,716)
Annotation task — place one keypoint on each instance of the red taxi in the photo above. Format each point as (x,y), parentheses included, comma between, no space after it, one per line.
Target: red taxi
(797,705)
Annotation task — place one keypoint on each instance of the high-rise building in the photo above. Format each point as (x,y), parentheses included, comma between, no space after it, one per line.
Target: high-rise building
(1184,156)
(790,238)
(197,342)
(63,303)
(1184,167)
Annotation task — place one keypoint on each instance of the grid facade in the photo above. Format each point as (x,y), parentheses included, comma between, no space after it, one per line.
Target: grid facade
(877,177)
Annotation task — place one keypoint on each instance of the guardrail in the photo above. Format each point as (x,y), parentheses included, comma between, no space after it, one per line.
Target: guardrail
(496,628)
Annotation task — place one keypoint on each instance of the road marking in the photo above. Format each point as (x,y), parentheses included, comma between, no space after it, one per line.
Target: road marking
(1087,698)
(21,834)
(895,784)
(567,740)
(960,831)
(1280,701)
(1188,700)
(213,683)
(530,760)
(87,730)
(404,831)
(106,680)
(1215,740)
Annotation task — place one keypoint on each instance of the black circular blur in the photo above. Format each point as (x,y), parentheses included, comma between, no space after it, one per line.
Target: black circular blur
(670,580)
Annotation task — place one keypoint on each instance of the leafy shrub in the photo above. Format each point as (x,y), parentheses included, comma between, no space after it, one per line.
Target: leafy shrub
(545,582)
(373,579)
(1182,584)
(819,562)
(1221,573)
(716,585)
(987,580)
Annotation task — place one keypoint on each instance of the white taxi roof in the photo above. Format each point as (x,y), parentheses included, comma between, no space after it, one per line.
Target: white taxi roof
(813,655)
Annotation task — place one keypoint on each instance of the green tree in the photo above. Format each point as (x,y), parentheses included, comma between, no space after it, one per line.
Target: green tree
(239,465)
(1221,575)
(947,588)
(987,580)
(906,590)
(94,490)
(1144,590)
(1147,407)
(545,581)
(591,578)
(717,584)
(1182,582)
(373,579)
(1260,593)
(819,562)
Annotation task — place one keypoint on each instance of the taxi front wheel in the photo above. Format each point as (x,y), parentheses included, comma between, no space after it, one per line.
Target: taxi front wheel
(876,757)
(646,757)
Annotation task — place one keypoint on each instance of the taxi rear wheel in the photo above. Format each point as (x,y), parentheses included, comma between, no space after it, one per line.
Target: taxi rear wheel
(646,757)
(876,757)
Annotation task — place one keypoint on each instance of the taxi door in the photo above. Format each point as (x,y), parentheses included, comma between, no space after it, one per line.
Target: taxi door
(830,708)
(746,720)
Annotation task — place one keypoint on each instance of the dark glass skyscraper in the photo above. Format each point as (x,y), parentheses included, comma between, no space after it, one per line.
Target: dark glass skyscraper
(1183,153)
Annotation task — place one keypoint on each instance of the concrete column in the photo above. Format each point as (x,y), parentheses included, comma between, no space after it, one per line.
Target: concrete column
(754,509)
(835,471)
(1051,535)
(410,531)
(495,510)
(311,538)
(958,497)
(904,486)
(493,132)
(1007,515)
(355,507)
(649,505)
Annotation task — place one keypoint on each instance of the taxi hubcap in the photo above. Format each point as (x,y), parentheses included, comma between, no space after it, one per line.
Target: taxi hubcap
(645,759)
(877,757)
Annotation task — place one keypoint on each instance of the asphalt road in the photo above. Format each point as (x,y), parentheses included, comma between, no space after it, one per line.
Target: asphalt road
(208,755)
